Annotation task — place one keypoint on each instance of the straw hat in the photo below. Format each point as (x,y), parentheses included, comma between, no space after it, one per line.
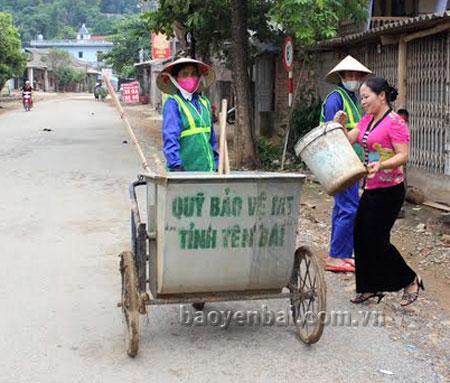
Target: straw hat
(348,64)
(165,84)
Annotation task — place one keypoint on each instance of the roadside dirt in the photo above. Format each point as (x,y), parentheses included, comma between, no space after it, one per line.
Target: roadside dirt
(14,101)
(427,252)
(426,323)
(146,121)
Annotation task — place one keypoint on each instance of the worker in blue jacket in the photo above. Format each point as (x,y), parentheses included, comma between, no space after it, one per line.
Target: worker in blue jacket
(189,140)
(347,76)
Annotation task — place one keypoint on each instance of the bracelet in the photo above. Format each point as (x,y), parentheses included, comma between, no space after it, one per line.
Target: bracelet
(381,167)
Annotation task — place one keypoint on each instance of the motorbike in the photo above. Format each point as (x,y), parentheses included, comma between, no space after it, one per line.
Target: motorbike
(26,100)
(100,93)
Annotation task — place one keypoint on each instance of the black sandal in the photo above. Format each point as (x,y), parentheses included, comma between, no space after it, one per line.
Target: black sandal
(360,298)
(412,297)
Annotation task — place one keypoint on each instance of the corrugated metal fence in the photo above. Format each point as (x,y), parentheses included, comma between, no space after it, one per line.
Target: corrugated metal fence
(428,102)
(381,60)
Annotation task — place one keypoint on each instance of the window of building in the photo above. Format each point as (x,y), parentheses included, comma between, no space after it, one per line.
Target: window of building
(80,55)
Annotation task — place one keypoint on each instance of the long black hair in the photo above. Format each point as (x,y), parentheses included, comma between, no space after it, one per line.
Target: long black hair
(379,85)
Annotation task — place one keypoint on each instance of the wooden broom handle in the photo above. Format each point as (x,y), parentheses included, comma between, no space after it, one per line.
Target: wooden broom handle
(224,163)
(129,128)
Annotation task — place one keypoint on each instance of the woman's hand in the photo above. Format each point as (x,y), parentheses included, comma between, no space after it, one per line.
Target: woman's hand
(340,117)
(373,168)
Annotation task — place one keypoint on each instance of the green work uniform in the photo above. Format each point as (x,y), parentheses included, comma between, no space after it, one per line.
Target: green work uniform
(195,149)
(353,116)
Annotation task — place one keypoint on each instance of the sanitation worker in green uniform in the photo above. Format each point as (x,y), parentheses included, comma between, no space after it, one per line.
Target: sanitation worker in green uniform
(347,77)
(189,141)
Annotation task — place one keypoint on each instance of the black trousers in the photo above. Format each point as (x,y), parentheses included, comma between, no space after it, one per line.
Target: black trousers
(379,265)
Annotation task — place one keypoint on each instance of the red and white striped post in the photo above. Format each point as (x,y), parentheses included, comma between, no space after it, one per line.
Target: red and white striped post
(288,59)
(290,87)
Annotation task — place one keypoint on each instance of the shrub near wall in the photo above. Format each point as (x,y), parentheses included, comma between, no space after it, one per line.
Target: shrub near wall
(305,117)
(69,76)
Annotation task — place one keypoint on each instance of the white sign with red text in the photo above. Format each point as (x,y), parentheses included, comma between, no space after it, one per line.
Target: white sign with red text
(130,92)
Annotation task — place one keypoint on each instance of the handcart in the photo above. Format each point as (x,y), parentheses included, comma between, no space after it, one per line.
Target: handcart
(212,238)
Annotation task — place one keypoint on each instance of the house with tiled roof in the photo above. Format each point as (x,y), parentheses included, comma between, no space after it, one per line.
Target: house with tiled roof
(40,73)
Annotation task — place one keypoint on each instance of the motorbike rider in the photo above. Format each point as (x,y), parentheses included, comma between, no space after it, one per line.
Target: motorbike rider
(27,89)
(98,90)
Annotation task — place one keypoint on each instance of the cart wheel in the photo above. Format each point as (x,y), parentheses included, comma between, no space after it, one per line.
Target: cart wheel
(308,281)
(130,302)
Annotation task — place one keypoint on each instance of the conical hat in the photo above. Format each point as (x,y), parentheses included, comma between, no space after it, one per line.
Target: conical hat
(165,84)
(348,64)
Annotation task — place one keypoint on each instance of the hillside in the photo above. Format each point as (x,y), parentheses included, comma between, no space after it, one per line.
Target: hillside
(62,18)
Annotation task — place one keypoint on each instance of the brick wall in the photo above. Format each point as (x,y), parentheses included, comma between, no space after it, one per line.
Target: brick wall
(321,64)
(281,90)
(281,95)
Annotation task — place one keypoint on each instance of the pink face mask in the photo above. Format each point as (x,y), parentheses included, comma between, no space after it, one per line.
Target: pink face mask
(189,84)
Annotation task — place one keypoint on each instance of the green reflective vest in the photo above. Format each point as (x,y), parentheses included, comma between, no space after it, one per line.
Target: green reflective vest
(195,140)
(353,116)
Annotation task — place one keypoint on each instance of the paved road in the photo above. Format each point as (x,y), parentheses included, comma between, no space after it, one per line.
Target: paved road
(64,219)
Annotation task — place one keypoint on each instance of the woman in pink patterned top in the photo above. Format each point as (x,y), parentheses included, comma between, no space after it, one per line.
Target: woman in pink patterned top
(385,140)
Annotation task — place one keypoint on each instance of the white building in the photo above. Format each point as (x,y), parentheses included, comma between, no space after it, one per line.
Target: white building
(85,47)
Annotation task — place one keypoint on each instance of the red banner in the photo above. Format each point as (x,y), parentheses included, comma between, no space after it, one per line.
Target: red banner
(160,46)
(130,92)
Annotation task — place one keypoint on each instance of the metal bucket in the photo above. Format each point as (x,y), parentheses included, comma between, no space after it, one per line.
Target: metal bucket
(214,233)
(330,157)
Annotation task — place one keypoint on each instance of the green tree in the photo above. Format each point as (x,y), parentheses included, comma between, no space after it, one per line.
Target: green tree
(312,20)
(66,32)
(207,27)
(103,25)
(69,76)
(203,26)
(244,140)
(200,26)
(60,62)
(131,34)
(52,18)
(57,60)
(12,60)
(119,6)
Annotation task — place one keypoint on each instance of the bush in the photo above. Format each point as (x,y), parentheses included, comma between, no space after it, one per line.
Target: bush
(270,156)
(68,76)
(101,92)
(305,117)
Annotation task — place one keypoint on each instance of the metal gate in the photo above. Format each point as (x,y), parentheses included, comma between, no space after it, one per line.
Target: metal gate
(428,103)
(383,61)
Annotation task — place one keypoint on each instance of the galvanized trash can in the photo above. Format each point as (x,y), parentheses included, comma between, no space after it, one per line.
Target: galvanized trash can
(330,157)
